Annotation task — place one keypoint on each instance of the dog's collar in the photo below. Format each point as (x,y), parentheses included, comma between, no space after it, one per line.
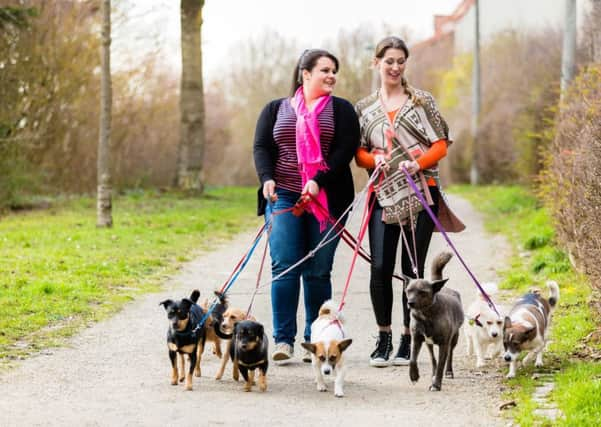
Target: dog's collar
(251,365)
(476,321)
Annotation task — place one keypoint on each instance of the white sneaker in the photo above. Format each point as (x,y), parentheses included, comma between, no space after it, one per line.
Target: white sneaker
(283,352)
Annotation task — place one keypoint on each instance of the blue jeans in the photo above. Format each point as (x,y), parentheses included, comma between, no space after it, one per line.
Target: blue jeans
(291,239)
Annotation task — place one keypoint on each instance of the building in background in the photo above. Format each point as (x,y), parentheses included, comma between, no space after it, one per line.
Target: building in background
(457,29)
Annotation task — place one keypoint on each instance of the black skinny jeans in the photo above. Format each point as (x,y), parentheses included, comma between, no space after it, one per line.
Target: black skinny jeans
(383,244)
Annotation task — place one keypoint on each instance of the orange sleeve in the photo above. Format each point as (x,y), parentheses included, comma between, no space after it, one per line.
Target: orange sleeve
(364,158)
(436,152)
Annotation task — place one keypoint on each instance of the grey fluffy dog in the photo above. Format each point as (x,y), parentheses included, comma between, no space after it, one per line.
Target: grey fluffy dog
(436,316)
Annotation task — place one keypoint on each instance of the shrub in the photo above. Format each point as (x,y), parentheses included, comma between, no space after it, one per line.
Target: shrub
(571,183)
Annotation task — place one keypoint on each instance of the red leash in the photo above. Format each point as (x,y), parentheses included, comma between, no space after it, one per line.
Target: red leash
(356,244)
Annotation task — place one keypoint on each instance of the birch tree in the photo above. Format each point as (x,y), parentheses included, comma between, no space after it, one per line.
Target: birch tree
(192,137)
(104,204)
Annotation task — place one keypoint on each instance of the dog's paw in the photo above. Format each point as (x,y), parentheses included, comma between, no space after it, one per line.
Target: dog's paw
(413,372)
(434,387)
(538,364)
(510,375)
(197,373)
(449,374)
(339,393)
(247,387)
(480,363)
(321,387)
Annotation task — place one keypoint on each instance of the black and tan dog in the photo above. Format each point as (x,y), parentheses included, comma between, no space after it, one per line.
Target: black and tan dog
(231,317)
(436,316)
(249,352)
(185,336)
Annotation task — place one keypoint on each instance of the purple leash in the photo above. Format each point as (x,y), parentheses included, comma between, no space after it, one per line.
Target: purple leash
(420,196)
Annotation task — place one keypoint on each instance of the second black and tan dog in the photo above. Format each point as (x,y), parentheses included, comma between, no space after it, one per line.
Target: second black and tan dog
(436,316)
(185,336)
(248,351)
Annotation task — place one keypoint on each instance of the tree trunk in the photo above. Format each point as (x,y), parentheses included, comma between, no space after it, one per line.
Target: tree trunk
(104,205)
(192,137)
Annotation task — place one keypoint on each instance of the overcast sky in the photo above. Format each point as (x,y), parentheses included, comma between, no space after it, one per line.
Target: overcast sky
(311,22)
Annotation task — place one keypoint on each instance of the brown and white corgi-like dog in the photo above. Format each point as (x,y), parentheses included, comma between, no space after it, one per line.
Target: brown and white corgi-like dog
(526,327)
(328,342)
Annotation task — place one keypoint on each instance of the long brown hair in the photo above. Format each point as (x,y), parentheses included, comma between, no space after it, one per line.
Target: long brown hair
(307,61)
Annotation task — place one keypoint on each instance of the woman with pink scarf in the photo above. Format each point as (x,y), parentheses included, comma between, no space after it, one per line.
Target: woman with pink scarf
(304,145)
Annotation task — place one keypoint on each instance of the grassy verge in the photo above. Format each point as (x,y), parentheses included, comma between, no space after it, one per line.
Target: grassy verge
(536,258)
(59,271)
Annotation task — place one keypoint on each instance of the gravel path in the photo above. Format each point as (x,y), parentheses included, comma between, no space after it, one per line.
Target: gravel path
(117,371)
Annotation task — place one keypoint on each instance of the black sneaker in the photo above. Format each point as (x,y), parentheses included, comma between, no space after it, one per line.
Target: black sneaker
(380,357)
(404,353)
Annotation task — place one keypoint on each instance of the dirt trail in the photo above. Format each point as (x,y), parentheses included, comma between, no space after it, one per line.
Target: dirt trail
(117,371)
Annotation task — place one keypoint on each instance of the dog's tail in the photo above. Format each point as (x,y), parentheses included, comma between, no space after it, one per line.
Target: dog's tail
(438,264)
(553,293)
(195,295)
(328,308)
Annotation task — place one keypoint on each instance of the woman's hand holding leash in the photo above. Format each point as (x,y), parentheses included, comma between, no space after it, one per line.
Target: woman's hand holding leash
(312,188)
(269,190)
(381,161)
(411,165)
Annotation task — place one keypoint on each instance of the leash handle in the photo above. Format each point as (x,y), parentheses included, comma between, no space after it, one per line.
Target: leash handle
(444,233)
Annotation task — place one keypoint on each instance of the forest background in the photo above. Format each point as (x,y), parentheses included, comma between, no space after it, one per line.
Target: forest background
(49,110)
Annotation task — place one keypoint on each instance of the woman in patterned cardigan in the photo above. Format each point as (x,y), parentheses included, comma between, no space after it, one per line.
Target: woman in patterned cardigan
(416,121)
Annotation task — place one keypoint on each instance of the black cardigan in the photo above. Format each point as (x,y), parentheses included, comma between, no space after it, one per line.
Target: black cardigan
(337,180)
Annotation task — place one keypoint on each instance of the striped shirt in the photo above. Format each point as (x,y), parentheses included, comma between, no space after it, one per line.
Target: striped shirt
(287,174)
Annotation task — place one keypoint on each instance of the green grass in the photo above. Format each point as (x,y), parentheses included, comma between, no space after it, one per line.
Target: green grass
(516,213)
(59,271)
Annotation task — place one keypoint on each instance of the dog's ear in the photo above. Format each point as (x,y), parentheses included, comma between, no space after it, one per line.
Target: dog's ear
(260,331)
(437,285)
(186,304)
(167,303)
(507,323)
(309,346)
(343,345)
(530,333)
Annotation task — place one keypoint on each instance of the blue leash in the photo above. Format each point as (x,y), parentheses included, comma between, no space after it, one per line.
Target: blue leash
(234,277)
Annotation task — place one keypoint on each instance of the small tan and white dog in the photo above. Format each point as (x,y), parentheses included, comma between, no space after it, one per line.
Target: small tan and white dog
(527,326)
(328,342)
(225,330)
(483,331)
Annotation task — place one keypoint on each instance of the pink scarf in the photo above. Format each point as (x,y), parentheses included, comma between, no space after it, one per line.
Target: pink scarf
(308,150)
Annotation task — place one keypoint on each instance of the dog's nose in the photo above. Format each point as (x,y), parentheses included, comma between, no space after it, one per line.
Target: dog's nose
(507,358)
(326,371)
(494,334)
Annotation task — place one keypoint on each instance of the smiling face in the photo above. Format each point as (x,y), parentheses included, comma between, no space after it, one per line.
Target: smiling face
(392,66)
(321,79)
